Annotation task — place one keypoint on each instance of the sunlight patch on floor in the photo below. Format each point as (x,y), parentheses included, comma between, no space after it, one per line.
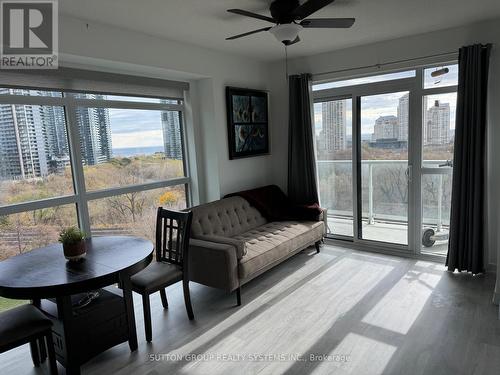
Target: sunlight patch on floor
(293,333)
(402,305)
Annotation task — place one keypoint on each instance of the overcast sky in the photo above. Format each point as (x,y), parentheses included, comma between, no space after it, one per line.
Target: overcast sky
(135,128)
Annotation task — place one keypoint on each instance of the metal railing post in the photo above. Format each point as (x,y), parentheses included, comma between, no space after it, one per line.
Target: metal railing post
(440,204)
(333,190)
(371,219)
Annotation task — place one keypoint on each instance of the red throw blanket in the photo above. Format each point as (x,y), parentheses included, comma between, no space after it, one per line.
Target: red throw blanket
(274,205)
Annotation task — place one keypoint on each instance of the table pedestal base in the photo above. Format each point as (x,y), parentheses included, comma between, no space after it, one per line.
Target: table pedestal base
(81,334)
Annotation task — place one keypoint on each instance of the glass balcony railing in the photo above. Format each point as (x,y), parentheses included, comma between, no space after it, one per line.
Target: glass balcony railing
(384,193)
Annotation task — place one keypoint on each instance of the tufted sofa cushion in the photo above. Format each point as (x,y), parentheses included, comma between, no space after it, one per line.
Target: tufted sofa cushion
(227,217)
(275,240)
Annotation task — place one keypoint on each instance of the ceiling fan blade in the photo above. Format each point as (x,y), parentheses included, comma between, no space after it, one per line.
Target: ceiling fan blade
(309,7)
(250,14)
(328,23)
(296,40)
(249,33)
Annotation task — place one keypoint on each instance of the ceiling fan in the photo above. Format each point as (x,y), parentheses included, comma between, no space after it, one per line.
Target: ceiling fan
(289,17)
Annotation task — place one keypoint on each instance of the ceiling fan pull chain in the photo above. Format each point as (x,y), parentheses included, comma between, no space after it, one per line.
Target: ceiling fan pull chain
(286,62)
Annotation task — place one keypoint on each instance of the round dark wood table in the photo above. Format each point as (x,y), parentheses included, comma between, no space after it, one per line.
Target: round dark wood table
(45,273)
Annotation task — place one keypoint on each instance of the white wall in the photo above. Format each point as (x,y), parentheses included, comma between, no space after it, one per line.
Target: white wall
(109,48)
(395,50)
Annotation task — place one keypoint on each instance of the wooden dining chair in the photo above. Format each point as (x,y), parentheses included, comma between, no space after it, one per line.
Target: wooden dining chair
(26,324)
(173,230)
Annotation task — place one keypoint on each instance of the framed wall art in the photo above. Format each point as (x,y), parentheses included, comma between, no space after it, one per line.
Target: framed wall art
(247,122)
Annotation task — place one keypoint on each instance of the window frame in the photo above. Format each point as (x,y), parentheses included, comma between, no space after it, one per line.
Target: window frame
(81,196)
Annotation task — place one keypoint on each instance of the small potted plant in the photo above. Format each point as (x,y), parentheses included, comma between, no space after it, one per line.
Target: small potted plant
(73,241)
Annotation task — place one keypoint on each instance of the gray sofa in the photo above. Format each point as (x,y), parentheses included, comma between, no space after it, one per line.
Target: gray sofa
(232,243)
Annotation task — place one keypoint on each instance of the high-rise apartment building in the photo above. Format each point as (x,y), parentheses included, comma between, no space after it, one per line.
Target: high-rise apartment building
(403,116)
(95,132)
(437,124)
(386,127)
(172,136)
(22,140)
(56,137)
(333,134)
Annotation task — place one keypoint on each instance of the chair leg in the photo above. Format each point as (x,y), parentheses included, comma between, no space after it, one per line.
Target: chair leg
(35,354)
(164,301)
(43,350)
(317,244)
(187,298)
(147,317)
(51,353)
(238,296)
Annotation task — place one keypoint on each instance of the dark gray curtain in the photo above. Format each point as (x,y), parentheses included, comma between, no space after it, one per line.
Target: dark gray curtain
(466,243)
(302,187)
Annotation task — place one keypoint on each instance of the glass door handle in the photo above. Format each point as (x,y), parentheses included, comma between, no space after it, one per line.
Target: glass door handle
(408,173)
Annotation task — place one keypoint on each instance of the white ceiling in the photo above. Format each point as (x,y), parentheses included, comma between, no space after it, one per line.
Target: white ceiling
(206,22)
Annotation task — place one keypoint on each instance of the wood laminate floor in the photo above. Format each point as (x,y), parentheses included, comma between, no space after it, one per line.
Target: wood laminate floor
(337,312)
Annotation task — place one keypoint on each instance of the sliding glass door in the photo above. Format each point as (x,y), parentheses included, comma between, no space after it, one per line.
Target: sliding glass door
(362,162)
(384,167)
(333,127)
(384,147)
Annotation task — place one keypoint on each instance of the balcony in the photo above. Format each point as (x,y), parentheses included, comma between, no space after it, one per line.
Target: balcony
(384,203)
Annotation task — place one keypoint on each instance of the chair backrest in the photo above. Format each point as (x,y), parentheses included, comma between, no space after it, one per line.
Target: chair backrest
(173,230)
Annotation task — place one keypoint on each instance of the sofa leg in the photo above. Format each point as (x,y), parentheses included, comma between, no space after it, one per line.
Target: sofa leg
(317,246)
(238,296)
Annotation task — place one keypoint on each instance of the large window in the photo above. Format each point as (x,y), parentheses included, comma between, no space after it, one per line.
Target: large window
(123,147)
(103,162)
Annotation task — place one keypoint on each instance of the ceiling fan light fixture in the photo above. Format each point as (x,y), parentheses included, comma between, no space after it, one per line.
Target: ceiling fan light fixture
(286,32)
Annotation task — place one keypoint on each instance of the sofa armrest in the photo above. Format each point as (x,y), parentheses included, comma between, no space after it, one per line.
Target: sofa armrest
(213,264)
(239,245)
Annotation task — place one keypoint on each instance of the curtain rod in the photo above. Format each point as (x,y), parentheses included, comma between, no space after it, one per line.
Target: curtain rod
(386,63)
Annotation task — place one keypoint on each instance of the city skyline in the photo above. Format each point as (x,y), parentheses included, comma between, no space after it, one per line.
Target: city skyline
(33,138)
(385,117)
(382,105)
